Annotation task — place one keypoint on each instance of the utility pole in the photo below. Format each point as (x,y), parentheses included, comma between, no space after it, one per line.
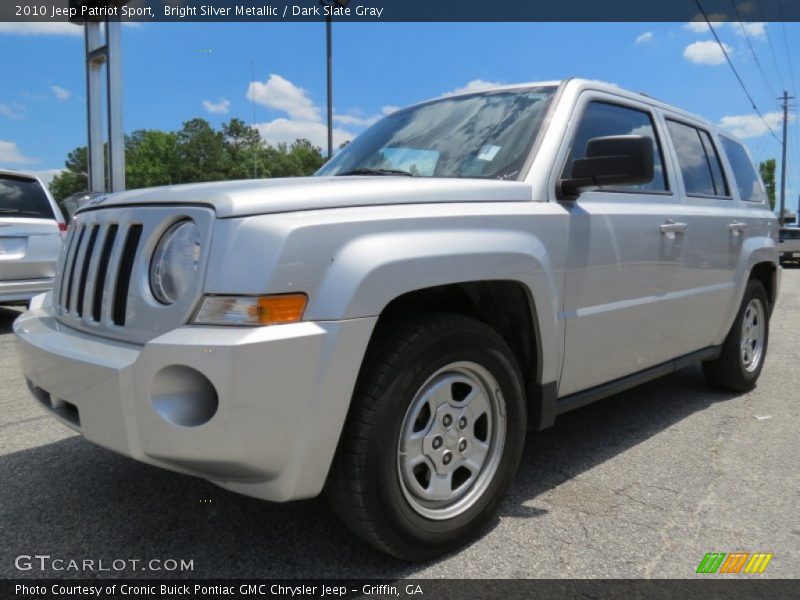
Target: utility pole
(786,97)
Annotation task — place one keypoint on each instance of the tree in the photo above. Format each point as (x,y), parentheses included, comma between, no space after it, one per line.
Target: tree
(195,153)
(74,179)
(245,150)
(200,153)
(150,158)
(767,171)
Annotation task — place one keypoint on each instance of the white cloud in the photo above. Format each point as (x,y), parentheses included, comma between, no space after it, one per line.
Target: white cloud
(475,85)
(217,108)
(706,53)
(60,92)
(750,126)
(287,131)
(13,110)
(754,30)
(43,28)
(10,153)
(356,120)
(697,26)
(389,109)
(647,36)
(282,94)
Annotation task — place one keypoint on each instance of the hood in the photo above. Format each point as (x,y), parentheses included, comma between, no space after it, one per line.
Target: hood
(259,196)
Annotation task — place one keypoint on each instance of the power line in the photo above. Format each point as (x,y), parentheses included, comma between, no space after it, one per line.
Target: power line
(753,50)
(786,46)
(794,84)
(769,43)
(735,72)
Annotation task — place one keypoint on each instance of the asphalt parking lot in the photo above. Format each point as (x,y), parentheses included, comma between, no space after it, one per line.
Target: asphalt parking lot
(639,485)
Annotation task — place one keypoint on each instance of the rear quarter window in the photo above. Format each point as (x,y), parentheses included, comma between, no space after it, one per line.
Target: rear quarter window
(22,197)
(744,173)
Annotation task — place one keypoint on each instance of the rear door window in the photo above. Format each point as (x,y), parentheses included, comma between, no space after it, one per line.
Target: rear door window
(22,197)
(744,173)
(699,161)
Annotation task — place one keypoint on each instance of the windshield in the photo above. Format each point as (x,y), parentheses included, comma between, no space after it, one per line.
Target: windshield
(485,135)
(23,197)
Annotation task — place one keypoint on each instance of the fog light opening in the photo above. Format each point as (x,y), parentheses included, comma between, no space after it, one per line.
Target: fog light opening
(183,396)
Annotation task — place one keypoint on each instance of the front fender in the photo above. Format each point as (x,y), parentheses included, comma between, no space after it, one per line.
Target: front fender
(367,273)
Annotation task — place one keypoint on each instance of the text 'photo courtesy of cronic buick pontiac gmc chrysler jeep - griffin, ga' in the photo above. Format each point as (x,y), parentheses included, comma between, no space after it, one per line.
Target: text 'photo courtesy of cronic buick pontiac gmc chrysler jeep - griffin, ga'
(389,330)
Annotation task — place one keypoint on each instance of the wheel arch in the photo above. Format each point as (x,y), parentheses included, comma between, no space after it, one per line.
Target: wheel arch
(508,307)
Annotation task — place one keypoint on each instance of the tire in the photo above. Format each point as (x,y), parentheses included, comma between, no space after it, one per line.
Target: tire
(417,505)
(732,371)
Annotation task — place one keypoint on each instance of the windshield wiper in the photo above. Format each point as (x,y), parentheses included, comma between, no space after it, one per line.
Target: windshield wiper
(367,171)
(9,210)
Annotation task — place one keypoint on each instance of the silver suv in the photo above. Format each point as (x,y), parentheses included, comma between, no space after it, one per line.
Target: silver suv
(31,232)
(387,331)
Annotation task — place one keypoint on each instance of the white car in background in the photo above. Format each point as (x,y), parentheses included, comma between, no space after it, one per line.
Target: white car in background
(789,245)
(32,229)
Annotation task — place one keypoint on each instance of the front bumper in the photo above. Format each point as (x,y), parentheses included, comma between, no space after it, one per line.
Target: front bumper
(283,394)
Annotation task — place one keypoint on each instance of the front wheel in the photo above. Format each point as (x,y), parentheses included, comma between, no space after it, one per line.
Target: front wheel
(433,439)
(739,365)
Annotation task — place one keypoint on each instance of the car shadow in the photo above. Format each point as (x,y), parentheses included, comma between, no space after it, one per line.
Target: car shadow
(7,316)
(71,499)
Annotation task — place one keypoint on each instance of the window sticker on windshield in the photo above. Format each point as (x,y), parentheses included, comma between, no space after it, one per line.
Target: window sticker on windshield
(488,152)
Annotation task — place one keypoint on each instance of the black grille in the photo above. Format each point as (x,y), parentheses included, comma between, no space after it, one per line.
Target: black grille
(94,263)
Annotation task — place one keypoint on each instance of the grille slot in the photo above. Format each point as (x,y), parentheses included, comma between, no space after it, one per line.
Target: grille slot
(73,259)
(102,271)
(87,259)
(124,276)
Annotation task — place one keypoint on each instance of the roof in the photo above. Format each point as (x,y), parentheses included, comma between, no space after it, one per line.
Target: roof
(593,84)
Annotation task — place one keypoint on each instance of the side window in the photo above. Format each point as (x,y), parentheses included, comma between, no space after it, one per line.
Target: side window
(698,159)
(744,173)
(714,163)
(603,119)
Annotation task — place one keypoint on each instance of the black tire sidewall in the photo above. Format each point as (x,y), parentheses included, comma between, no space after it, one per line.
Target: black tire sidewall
(419,363)
(754,290)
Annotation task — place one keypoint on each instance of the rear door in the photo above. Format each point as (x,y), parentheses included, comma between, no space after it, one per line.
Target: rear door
(624,248)
(714,238)
(30,238)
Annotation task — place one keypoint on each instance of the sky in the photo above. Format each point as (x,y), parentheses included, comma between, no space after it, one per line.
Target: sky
(173,72)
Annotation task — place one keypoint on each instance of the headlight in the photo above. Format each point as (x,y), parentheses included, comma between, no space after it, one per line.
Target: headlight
(174,263)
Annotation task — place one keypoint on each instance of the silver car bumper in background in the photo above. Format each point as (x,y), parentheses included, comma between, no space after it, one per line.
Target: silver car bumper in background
(258,411)
(24,290)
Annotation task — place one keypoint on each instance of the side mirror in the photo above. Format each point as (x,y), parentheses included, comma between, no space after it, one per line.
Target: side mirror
(612,160)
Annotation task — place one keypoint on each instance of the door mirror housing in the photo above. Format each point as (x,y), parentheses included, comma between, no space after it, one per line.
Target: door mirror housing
(611,160)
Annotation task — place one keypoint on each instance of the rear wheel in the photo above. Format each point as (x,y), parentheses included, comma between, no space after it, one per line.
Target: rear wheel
(433,438)
(739,365)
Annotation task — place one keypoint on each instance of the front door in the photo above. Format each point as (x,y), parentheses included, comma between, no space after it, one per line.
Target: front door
(625,248)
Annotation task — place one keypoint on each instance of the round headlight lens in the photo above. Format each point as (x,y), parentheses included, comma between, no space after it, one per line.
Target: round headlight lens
(174,263)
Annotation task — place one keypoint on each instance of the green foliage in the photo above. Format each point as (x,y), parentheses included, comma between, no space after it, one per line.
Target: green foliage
(195,153)
(74,179)
(767,170)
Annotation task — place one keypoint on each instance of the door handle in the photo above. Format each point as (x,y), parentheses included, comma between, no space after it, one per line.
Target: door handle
(737,227)
(671,227)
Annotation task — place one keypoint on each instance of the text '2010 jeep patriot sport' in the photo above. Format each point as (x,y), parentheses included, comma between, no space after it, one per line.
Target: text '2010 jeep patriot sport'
(466,269)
